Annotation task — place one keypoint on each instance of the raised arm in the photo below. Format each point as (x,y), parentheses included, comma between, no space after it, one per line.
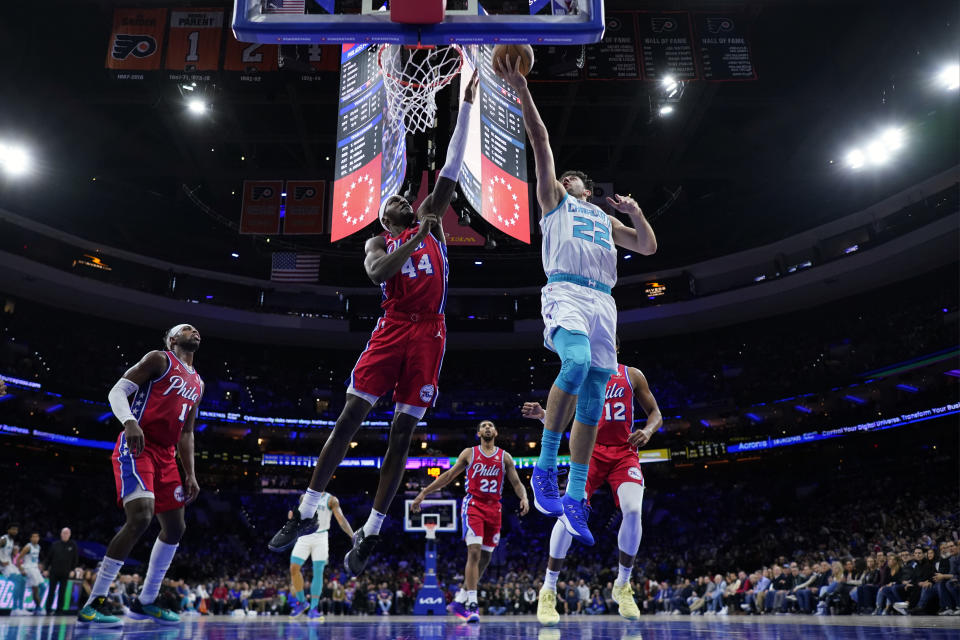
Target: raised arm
(334,506)
(641,391)
(640,237)
(380,265)
(549,190)
(443,479)
(185,448)
(150,367)
(439,199)
(514,478)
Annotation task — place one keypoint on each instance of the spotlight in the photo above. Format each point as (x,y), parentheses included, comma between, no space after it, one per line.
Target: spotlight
(855,159)
(877,152)
(950,77)
(666,110)
(491,243)
(197,106)
(14,160)
(892,138)
(463,219)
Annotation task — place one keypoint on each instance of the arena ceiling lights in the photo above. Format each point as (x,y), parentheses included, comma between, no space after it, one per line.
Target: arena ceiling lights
(14,159)
(949,77)
(878,151)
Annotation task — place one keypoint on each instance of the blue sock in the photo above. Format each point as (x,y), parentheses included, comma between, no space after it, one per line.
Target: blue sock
(300,596)
(577,484)
(316,585)
(549,445)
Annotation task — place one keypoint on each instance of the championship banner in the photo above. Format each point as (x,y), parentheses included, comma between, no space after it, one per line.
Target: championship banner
(724,50)
(666,46)
(135,43)
(249,62)
(371,159)
(260,212)
(494,172)
(303,213)
(193,45)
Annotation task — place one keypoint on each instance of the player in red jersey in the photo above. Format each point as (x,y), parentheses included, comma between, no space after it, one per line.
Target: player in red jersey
(159,424)
(405,351)
(487,466)
(614,461)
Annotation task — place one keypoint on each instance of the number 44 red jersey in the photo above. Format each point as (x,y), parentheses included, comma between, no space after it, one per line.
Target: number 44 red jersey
(421,284)
(616,422)
(161,408)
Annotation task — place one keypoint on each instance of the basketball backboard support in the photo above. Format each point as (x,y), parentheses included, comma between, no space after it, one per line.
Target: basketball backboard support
(258,21)
(441,512)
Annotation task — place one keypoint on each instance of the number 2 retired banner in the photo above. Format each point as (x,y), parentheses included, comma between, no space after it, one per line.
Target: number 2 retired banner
(261,207)
(135,43)
(193,46)
(304,208)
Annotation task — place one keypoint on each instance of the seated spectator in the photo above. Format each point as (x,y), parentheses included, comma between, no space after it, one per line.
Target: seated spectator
(219,599)
(893,591)
(530,600)
(597,605)
(384,599)
(715,599)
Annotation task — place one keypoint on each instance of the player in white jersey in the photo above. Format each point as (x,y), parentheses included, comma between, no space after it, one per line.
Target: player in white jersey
(315,545)
(579,314)
(8,568)
(29,560)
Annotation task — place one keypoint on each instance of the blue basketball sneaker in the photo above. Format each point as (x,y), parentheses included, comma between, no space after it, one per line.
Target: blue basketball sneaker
(298,608)
(315,616)
(546,492)
(574,519)
(458,609)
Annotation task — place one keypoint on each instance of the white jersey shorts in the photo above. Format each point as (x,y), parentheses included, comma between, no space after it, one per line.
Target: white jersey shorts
(10,569)
(34,577)
(314,545)
(580,309)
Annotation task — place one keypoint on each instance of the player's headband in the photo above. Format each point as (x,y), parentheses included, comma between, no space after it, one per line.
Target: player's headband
(177,329)
(383,207)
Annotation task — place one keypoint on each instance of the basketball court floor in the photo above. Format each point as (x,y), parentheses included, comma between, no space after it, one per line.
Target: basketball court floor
(493,628)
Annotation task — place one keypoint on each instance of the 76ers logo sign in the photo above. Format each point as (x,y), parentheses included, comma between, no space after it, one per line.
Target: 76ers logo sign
(138,46)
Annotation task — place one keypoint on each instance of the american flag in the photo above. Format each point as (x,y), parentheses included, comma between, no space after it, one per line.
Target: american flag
(286,6)
(289,266)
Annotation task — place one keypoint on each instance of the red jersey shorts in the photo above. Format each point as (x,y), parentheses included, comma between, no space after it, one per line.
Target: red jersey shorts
(481,522)
(614,466)
(404,355)
(152,474)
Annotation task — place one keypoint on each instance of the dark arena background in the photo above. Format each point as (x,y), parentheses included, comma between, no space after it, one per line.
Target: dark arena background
(220,165)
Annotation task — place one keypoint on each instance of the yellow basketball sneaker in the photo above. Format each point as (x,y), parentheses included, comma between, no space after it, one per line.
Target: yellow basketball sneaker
(623,596)
(547,607)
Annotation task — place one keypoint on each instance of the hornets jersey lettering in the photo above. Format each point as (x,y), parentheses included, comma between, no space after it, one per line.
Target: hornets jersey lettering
(578,240)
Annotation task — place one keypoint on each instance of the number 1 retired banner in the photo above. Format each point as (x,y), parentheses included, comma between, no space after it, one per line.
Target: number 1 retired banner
(260,213)
(304,207)
(193,46)
(135,43)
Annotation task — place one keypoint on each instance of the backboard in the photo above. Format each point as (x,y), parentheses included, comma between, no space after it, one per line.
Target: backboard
(554,22)
(442,512)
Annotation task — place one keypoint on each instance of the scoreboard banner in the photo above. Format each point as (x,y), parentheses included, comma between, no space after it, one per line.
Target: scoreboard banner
(193,44)
(724,49)
(494,173)
(371,155)
(303,212)
(260,211)
(136,43)
(667,45)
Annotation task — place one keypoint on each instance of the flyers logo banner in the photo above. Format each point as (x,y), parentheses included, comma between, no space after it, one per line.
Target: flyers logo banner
(719,25)
(260,212)
(663,25)
(193,45)
(136,41)
(304,211)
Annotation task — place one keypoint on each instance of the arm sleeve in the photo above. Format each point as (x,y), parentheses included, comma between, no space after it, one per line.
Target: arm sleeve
(118,398)
(458,144)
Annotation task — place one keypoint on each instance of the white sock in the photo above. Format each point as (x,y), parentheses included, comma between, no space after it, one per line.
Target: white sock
(309,504)
(461,596)
(471,597)
(372,527)
(623,577)
(160,559)
(109,568)
(550,580)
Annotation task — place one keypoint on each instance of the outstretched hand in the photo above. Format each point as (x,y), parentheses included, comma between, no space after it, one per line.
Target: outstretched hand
(624,204)
(509,70)
(471,90)
(533,410)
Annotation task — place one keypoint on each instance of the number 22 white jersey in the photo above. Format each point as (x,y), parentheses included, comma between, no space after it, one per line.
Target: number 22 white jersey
(577,240)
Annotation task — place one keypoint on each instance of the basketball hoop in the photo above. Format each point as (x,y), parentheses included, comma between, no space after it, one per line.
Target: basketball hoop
(412,76)
(431,528)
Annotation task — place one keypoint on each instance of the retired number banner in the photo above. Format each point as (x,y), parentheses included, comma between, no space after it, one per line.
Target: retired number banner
(193,46)
(260,213)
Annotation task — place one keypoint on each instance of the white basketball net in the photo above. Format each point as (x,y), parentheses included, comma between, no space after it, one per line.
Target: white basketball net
(412,77)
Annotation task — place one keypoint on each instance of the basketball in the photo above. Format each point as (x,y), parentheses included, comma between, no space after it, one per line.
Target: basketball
(514,51)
